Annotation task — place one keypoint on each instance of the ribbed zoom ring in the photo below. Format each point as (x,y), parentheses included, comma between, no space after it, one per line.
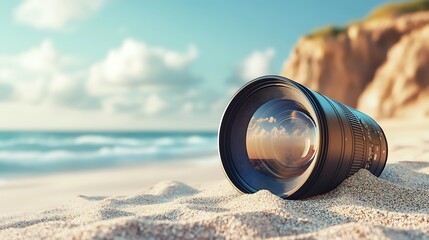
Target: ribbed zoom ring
(358,140)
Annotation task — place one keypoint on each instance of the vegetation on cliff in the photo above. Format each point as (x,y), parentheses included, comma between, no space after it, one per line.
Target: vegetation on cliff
(396,9)
(384,11)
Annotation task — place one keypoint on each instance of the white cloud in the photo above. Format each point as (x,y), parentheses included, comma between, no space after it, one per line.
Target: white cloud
(261,120)
(135,66)
(68,90)
(267,119)
(143,79)
(43,58)
(134,79)
(258,63)
(177,60)
(62,83)
(149,85)
(31,91)
(153,105)
(279,132)
(39,76)
(54,14)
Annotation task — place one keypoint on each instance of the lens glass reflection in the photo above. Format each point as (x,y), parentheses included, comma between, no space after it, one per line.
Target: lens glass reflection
(281,139)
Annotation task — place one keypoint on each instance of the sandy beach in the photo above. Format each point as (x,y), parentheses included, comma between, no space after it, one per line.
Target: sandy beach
(194,200)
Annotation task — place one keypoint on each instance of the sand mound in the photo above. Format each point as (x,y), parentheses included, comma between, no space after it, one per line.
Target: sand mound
(363,206)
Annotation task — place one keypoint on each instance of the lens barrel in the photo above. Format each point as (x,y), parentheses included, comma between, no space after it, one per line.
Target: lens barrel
(279,135)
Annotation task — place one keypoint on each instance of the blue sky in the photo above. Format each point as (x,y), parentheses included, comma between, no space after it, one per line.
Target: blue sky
(157,65)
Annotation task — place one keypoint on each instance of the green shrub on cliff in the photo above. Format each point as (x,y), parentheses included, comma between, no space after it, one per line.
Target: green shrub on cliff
(327,32)
(396,9)
(387,10)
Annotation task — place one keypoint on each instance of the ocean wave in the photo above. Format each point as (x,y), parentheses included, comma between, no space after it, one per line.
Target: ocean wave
(32,141)
(41,152)
(195,139)
(79,140)
(164,141)
(50,141)
(104,153)
(34,156)
(128,151)
(99,140)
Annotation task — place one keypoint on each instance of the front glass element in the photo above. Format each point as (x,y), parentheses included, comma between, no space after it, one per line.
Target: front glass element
(281,139)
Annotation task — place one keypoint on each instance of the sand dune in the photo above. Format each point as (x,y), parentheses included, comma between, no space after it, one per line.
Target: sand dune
(363,206)
(396,205)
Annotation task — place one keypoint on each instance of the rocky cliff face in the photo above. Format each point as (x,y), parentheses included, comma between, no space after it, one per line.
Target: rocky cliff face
(381,67)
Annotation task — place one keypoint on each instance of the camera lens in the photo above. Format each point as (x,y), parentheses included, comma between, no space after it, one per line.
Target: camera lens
(281,136)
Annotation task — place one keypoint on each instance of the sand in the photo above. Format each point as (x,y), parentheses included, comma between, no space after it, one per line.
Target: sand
(45,192)
(204,205)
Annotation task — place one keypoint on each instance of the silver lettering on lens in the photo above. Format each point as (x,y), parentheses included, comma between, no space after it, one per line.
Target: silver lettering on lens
(281,139)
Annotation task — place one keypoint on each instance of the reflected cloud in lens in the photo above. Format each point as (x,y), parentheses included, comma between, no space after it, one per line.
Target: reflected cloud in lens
(281,136)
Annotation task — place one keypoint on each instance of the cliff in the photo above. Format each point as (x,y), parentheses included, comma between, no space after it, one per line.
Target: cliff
(379,66)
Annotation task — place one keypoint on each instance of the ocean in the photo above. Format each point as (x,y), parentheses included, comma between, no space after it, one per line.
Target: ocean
(24,153)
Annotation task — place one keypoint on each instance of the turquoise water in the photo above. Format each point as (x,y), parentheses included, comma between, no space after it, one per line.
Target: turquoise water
(39,152)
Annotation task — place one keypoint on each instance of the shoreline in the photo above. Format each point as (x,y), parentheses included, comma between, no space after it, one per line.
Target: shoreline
(40,192)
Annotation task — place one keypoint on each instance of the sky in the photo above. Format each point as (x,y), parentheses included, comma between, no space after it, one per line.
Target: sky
(144,65)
